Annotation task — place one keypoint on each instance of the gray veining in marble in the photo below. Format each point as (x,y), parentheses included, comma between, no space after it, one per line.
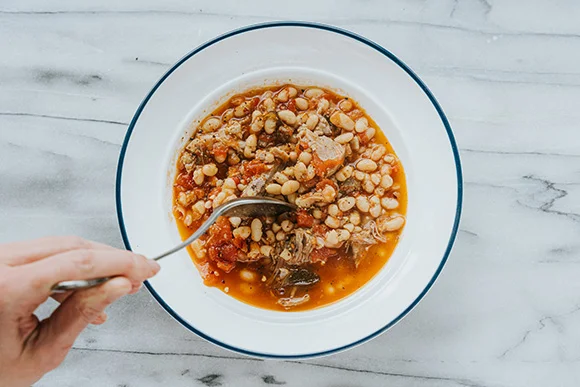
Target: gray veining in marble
(505,311)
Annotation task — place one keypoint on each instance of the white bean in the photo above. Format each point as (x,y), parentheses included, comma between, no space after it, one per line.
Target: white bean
(183,199)
(390,159)
(333,210)
(256,229)
(345,105)
(332,222)
(243,109)
(312,121)
(376,178)
(198,177)
(343,235)
(247,275)
(331,239)
(243,232)
(292,92)
(285,255)
(355,144)
(359,175)
(349,227)
(370,133)
(229,183)
(346,203)
(257,124)
(301,103)
(248,152)
(274,189)
(361,125)
(368,186)
(266,250)
(366,165)
(269,105)
(322,106)
(386,181)
(287,225)
(375,211)
(252,141)
(235,221)
(280,178)
(282,96)
(378,153)
(300,171)
(394,223)
(354,218)
(386,169)
(344,138)
(329,193)
(209,169)
(288,117)
(342,121)
(305,158)
(389,203)
(344,173)
(362,203)
(290,187)
(212,124)
(270,125)
(198,249)
(313,93)
(199,207)
(219,199)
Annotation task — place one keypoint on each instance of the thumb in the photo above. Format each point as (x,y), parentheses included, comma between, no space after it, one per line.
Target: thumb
(57,334)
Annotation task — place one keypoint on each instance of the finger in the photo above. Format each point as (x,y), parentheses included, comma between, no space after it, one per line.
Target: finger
(20,253)
(101,319)
(61,297)
(57,334)
(86,264)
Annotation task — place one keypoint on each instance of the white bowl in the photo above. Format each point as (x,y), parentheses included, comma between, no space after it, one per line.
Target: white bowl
(305,54)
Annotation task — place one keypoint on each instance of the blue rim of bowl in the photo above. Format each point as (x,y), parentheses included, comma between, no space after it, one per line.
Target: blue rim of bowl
(369,43)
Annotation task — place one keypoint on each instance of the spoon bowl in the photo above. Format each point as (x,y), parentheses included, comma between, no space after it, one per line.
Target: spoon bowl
(251,206)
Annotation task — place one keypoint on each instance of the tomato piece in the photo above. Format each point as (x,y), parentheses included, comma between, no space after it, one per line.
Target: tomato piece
(319,229)
(220,232)
(254,167)
(184,181)
(322,167)
(324,182)
(323,254)
(220,150)
(304,219)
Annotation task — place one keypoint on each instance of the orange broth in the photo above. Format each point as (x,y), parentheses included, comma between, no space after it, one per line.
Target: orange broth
(338,276)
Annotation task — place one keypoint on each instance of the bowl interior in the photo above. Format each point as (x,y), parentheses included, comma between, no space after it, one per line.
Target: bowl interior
(304,56)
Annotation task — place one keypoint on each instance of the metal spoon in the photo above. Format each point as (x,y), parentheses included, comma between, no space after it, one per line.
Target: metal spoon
(251,206)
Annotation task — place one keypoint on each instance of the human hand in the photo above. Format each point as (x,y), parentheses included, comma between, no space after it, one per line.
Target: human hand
(28,347)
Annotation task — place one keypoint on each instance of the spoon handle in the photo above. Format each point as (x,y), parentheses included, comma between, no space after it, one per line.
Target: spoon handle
(65,286)
(199,232)
(245,206)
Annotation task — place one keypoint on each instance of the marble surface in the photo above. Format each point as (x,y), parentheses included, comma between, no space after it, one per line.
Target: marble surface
(506,309)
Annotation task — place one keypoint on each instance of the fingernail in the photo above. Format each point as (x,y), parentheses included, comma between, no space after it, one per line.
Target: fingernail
(154,266)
